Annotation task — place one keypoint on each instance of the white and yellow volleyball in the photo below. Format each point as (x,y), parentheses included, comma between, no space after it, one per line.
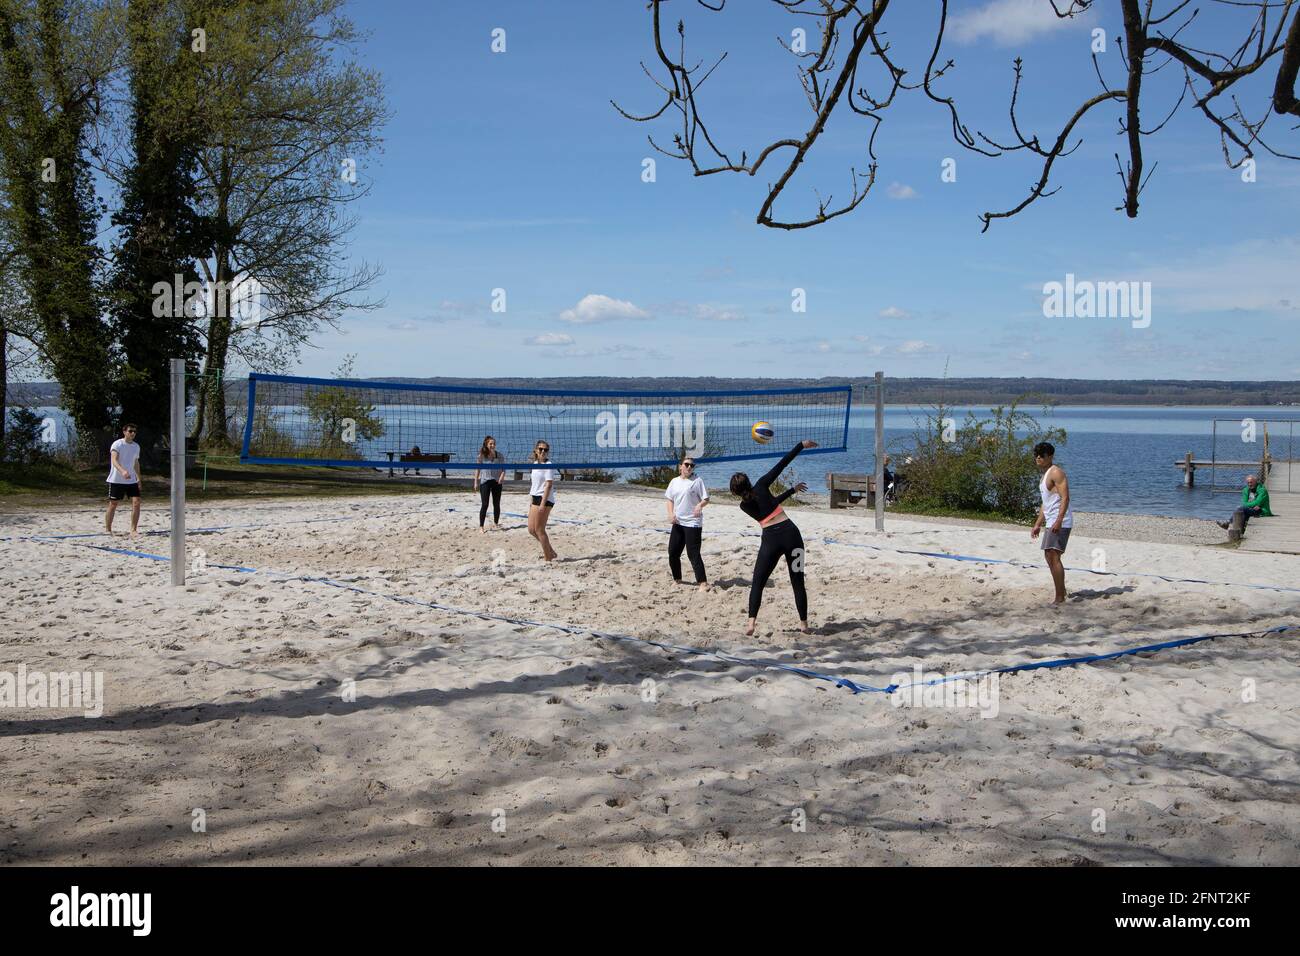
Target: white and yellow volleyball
(762,432)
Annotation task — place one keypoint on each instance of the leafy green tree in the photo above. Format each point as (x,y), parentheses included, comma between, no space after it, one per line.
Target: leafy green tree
(161,236)
(290,122)
(339,418)
(56,57)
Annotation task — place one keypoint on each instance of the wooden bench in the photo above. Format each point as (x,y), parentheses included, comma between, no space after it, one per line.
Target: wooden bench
(406,458)
(849,489)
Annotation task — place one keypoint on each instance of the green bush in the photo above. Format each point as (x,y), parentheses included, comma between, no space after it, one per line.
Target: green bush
(985,466)
(23,442)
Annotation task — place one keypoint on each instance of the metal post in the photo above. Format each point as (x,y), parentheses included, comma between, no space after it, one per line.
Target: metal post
(1214,455)
(178,471)
(880,451)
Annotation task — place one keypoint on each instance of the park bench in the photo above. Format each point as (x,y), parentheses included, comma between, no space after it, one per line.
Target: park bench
(849,489)
(406,458)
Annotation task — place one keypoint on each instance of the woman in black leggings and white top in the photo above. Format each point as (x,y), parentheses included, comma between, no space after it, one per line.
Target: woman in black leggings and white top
(492,478)
(781,537)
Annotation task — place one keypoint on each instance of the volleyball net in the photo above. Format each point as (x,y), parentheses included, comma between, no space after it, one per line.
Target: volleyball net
(316,421)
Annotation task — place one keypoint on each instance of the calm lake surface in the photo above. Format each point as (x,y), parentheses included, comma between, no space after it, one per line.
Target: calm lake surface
(1118,458)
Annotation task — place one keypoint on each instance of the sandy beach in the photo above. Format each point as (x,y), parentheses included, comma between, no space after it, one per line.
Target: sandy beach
(376,717)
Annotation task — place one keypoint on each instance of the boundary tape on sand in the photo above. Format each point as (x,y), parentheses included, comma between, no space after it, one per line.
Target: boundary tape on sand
(855,686)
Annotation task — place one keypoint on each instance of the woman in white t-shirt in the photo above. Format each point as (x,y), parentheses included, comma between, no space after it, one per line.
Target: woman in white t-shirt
(543,497)
(687,497)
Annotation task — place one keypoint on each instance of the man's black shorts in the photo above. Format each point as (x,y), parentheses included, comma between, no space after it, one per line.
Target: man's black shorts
(117,491)
(537,500)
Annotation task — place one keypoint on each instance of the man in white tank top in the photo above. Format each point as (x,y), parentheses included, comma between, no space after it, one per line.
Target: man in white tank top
(1054,514)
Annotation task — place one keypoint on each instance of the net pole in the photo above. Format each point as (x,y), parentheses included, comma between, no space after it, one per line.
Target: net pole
(178,471)
(880,451)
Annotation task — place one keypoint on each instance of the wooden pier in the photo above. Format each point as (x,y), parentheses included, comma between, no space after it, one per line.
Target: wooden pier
(1188,465)
(1280,533)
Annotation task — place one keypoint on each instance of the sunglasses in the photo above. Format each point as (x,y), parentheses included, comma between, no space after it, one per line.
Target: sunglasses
(688,464)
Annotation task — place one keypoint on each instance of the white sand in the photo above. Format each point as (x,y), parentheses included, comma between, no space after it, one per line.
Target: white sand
(226,696)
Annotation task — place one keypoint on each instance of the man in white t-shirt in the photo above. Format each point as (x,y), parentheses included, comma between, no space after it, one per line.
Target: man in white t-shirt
(124,477)
(687,498)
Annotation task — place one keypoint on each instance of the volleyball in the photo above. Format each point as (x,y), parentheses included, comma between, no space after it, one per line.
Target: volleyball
(762,432)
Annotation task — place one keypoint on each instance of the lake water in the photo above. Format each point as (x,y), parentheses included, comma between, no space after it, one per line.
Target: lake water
(1118,458)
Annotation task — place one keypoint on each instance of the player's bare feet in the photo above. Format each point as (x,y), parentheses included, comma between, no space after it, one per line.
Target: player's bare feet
(749,628)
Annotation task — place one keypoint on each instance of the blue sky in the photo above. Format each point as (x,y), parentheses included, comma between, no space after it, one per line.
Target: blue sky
(512,171)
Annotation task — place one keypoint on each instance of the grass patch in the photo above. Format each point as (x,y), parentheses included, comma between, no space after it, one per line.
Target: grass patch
(935,511)
(49,480)
(35,486)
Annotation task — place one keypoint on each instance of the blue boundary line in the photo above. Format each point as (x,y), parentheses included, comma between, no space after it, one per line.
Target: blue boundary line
(856,687)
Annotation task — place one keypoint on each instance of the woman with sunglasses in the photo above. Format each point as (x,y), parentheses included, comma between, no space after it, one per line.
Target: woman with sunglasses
(687,497)
(492,478)
(543,497)
(781,537)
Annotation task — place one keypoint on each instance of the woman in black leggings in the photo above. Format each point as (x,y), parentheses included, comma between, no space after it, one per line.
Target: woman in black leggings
(489,488)
(781,537)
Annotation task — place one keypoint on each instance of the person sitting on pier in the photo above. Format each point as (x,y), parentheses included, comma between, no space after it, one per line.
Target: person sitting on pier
(1254,504)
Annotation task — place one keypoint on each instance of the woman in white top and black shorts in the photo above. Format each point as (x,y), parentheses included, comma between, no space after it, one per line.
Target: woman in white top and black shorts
(488,481)
(543,497)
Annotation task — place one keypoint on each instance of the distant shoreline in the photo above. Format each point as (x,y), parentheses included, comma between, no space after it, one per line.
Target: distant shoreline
(899,392)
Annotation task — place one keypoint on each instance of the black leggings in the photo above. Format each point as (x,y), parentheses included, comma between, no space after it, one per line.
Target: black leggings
(490,489)
(781,539)
(688,538)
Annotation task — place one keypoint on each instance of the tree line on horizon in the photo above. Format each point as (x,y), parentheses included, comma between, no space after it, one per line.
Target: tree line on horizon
(899,391)
(153,150)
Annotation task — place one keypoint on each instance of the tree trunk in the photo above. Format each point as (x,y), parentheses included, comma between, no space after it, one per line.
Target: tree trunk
(215,362)
(4,384)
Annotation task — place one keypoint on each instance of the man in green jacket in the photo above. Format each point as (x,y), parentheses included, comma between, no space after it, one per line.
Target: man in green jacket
(1254,503)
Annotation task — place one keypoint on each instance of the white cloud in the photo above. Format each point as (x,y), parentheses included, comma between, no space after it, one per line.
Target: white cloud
(864,346)
(550,338)
(915,347)
(601,308)
(1009,21)
(894,312)
(622,350)
(901,191)
(453,307)
(407,326)
(1255,275)
(719,313)
(1251,276)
